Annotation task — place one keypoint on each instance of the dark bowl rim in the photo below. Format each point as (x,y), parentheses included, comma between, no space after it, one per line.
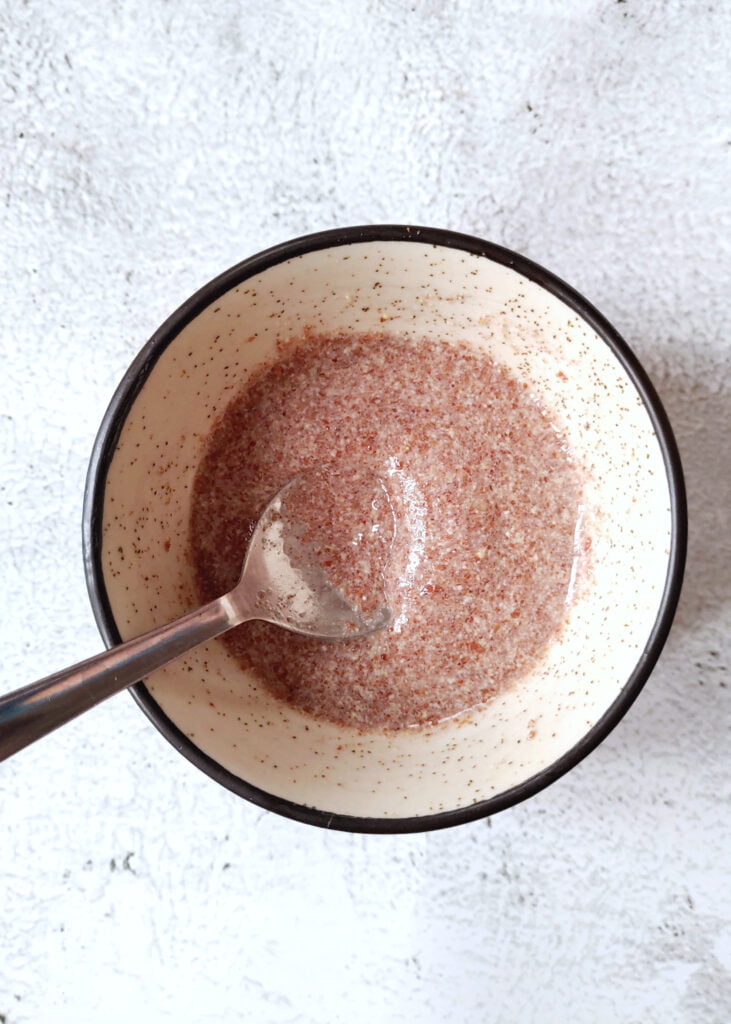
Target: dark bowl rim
(135,377)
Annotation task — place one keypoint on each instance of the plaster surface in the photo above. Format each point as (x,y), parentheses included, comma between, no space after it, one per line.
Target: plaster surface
(145,148)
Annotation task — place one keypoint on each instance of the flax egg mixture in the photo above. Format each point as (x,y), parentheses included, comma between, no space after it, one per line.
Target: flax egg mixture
(485,542)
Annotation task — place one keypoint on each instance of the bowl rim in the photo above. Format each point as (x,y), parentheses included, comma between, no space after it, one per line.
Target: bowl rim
(137,374)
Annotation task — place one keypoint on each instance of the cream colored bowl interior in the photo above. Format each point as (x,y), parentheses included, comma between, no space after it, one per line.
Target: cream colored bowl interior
(414,289)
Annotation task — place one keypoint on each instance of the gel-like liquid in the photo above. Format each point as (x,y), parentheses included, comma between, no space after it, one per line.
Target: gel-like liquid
(486,501)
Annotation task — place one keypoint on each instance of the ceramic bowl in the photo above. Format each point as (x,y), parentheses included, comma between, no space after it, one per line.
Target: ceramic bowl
(432,283)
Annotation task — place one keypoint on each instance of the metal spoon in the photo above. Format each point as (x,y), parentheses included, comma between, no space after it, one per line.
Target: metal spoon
(280,582)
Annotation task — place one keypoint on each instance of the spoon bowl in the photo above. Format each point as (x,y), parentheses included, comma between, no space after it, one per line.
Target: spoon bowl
(284,582)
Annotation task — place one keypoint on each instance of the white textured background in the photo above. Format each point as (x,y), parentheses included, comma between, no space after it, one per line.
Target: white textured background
(148,145)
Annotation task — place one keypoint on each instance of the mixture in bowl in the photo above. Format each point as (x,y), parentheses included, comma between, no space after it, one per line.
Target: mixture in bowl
(487,504)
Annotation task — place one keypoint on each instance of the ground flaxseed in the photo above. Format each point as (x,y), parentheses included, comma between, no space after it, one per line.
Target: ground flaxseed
(486,499)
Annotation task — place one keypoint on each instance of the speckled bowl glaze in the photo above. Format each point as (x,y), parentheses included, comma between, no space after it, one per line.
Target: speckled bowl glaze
(431,283)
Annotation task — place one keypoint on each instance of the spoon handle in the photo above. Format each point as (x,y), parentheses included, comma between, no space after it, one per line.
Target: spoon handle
(34,710)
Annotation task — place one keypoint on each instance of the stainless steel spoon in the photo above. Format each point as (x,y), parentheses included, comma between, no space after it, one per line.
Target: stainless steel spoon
(280,582)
